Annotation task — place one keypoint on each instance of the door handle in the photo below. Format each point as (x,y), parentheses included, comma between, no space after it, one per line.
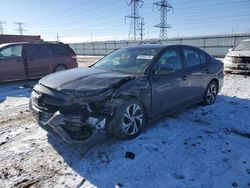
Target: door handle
(207,71)
(184,77)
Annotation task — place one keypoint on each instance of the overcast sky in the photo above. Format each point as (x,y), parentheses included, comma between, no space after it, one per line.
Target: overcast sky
(85,20)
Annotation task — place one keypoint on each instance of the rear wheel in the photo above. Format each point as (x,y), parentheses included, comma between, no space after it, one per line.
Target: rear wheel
(128,121)
(60,67)
(211,93)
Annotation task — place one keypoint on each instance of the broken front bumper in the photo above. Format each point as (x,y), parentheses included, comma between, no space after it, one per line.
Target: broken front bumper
(77,128)
(68,128)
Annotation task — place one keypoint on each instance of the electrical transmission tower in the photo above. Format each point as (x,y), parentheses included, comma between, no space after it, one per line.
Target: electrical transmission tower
(1,27)
(164,7)
(58,37)
(142,29)
(134,28)
(20,27)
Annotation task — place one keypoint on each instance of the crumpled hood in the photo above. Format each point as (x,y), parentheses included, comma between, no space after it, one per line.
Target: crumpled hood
(239,53)
(83,79)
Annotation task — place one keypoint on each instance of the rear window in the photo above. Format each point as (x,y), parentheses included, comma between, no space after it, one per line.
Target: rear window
(191,57)
(203,57)
(61,49)
(37,50)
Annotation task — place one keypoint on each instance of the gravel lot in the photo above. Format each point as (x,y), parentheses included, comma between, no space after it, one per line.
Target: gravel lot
(199,147)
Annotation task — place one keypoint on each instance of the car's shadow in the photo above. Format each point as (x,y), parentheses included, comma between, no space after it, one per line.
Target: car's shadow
(16,89)
(97,161)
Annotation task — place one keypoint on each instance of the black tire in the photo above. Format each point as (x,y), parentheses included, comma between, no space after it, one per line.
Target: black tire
(119,126)
(210,93)
(60,67)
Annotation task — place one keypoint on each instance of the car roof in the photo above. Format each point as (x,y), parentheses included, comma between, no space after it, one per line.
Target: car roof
(12,43)
(156,46)
(32,42)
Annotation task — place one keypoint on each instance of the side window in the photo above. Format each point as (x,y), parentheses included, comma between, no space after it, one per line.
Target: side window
(203,57)
(60,49)
(191,57)
(37,51)
(169,60)
(208,57)
(11,52)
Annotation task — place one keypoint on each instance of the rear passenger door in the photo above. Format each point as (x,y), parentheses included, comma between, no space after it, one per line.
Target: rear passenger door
(38,60)
(196,68)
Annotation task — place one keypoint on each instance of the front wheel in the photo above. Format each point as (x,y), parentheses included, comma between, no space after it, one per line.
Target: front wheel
(60,67)
(129,120)
(211,93)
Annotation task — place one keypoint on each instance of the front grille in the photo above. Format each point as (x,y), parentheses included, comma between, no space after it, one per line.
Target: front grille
(41,110)
(241,59)
(245,59)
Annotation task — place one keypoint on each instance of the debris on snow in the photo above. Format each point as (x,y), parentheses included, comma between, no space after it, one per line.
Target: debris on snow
(129,155)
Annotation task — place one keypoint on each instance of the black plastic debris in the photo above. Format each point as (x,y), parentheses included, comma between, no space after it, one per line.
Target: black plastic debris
(234,184)
(129,155)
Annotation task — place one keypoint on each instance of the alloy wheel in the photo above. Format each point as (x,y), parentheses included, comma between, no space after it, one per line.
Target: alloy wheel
(60,68)
(211,93)
(132,119)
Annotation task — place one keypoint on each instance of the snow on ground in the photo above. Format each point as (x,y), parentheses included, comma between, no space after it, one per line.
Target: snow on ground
(203,146)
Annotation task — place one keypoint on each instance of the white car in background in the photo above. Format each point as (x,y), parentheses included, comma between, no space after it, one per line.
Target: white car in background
(238,58)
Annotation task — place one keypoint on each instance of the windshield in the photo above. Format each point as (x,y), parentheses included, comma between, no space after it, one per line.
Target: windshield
(128,60)
(243,46)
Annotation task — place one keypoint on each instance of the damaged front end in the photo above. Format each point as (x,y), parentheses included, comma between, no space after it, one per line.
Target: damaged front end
(73,117)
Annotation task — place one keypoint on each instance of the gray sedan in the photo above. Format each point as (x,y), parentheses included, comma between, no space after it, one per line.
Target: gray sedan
(124,90)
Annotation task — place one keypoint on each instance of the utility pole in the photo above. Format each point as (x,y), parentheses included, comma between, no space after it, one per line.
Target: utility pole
(164,7)
(134,19)
(1,27)
(20,27)
(142,29)
(58,37)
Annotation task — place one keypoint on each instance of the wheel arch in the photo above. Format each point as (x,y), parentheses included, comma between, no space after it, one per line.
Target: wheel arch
(216,81)
(60,64)
(126,97)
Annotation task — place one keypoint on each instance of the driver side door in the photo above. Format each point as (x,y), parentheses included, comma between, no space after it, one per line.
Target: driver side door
(168,82)
(11,63)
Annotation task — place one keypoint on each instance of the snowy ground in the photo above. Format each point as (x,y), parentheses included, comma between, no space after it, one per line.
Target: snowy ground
(199,147)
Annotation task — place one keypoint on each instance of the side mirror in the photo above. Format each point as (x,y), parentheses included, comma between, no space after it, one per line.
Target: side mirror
(165,71)
(230,49)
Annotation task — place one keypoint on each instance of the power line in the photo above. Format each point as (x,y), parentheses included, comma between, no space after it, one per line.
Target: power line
(134,19)
(62,11)
(20,28)
(1,27)
(164,7)
(79,20)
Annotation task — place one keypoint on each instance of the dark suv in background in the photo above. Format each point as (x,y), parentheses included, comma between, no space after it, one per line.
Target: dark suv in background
(27,60)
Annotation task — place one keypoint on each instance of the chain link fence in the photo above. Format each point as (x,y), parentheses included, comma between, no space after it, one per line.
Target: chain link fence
(216,45)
